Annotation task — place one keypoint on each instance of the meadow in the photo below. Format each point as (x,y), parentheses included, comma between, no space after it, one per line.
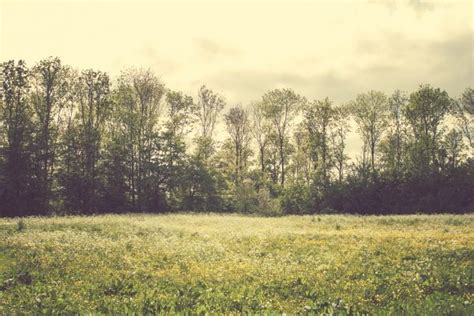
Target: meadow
(198,264)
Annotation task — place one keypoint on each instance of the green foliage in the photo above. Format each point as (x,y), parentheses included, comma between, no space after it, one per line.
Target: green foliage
(464,112)
(199,188)
(320,120)
(296,199)
(16,130)
(181,109)
(76,142)
(267,205)
(370,112)
(425,113)
(246,199)
(280,106)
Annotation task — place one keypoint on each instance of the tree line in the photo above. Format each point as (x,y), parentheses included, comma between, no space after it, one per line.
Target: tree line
(77,142)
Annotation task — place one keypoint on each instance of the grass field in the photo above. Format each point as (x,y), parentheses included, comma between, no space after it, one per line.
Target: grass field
(224,263)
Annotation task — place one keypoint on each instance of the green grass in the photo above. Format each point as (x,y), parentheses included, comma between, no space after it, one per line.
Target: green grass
(331,264)
(5,263)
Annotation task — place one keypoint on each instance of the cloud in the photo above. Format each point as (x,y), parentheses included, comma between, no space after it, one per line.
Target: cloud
(420,6)
(246,85)
(402,62)
(158,61)
(209,49)
(453,64)
(396,62)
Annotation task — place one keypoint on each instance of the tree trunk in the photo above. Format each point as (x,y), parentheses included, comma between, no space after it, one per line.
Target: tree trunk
(282,160)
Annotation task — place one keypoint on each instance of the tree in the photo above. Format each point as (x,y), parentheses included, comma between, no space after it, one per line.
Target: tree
(71,142)
(338,140)
(181,109)
(393,147)
(171,164)
(370,113)
(199,187)
(260,131)
(70,154)
(50,92)
(238,127)
(425,112)
(138,99)
(273,157)
(452,148)
(319,120)
(92,94)
(280,107)
(19,187)
(181,115)
(210,104)
(465,114)
(115,190)
(302,164)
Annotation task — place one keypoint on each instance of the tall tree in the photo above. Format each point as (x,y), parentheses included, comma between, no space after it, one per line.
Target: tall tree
(138,97)
(338,140)
(393,147)
(181,116)
(319,120)
(210,104)
(425,112)
(260,131)
(50,92)
(181,109)
(17,194)
(238,127)
(465,113)
(370,113)
(115,189)
(452,147)
(280,107)
(93,99)
(302,158)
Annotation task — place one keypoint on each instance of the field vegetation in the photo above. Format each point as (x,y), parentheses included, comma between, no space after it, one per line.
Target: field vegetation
(333,264)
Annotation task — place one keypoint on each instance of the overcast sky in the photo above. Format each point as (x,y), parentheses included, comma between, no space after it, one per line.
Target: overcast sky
(244,48)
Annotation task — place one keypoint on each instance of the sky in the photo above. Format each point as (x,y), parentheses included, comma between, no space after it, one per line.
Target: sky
(242,49)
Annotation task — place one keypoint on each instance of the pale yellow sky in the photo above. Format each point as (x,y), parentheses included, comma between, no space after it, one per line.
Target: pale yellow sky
(244,48)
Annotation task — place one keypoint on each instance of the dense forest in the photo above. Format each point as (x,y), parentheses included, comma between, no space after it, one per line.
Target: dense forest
(78,142)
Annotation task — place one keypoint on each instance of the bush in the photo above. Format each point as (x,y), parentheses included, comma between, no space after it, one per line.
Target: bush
(296,199)
(245,199)
(266,205)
